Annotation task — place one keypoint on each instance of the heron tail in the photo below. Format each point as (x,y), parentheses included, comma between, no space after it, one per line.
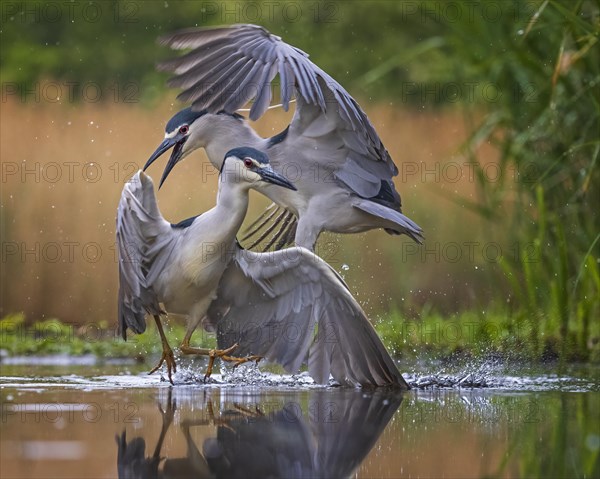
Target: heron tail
(401,224)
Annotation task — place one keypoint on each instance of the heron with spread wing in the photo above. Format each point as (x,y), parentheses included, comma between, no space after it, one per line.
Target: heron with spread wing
(342,171)
(287,306)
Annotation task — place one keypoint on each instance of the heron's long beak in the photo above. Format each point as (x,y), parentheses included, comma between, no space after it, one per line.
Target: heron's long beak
(269,175)
(167,144)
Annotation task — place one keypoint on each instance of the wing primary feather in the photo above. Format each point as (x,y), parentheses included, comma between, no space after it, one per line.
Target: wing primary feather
(198,71)
(228,89)
(144,241)
(201,56)
(289,216)
(211,85)
(289,235)
(268,231)
(262,100)
(261,221)
(245,91)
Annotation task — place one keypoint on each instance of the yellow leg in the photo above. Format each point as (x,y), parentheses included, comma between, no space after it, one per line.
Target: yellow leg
(215,353)
(240,361)
(167,354)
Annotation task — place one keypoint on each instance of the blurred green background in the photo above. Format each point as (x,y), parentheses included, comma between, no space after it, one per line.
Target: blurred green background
(490,109)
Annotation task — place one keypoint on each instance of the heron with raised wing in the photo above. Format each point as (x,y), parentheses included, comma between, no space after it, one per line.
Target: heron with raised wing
(287,306)
(342,171)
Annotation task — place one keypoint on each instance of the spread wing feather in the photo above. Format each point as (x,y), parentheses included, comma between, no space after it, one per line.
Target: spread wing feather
(144,242)
(229,66)
(292,308)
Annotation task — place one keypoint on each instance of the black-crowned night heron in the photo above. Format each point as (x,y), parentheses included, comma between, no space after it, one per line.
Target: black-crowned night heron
(287,306)
(339,164)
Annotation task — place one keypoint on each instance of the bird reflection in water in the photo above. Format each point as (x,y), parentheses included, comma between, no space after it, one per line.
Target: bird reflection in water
(327,434)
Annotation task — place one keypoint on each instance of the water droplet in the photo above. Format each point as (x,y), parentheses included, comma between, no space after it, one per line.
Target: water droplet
(345,267)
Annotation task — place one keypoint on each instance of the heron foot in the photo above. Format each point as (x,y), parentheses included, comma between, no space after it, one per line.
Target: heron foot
(239,361)
(168,358)
(217,353)
(224,354)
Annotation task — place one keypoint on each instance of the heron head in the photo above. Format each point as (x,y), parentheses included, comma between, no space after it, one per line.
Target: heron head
(182,133)
(248,165)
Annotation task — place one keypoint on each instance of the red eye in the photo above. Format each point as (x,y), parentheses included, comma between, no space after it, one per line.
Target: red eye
(184,129)
(248,163)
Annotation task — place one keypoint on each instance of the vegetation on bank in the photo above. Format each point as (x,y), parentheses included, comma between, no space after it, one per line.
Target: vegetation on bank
(432,337)
(547,131)
(53,337)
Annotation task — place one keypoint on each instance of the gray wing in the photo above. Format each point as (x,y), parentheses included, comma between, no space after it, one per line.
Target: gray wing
(351,151)
(229,66)
(290,306)
(144,243)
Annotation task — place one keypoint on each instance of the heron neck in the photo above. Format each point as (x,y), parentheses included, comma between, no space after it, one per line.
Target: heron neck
(226,133)
(229,212)
(212,237)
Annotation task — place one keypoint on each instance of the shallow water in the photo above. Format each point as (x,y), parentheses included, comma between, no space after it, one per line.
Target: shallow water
(90,420)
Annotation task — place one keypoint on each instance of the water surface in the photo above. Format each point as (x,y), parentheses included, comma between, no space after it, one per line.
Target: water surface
(100,421)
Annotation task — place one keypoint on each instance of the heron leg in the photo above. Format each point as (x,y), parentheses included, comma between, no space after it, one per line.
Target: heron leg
(216,353)
(167,354)
(224,355)
(213,354)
